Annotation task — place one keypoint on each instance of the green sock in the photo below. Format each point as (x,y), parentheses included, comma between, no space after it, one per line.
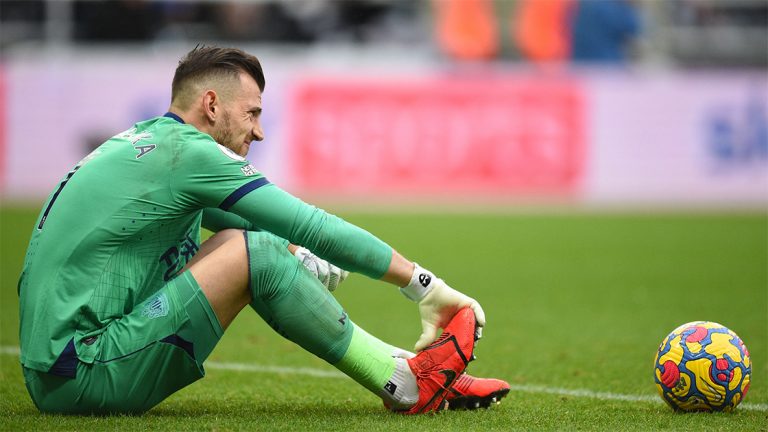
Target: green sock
(296,305)
(368,361)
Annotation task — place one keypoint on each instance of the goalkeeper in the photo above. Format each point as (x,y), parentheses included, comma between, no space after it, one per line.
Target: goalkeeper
(120,304)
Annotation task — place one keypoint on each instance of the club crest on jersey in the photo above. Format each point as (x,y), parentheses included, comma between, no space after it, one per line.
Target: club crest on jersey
(230,154)
(156,308)
(248,170)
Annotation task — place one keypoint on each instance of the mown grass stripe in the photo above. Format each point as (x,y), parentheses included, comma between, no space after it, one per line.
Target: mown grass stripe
(320,373)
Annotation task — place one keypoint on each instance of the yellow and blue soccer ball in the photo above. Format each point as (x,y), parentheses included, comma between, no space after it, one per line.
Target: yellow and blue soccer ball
(702,366)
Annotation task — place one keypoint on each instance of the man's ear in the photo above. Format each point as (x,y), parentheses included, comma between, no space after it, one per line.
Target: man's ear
(211,106)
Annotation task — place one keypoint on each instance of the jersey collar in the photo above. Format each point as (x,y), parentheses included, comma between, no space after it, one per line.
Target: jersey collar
(174,116)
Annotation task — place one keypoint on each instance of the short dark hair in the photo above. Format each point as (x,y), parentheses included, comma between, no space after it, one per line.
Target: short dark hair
(204,60)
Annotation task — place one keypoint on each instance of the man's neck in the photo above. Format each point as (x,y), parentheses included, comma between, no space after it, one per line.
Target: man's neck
(190,118)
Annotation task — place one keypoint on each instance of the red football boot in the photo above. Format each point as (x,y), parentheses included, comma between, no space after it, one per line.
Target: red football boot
(439,365)
(471,393)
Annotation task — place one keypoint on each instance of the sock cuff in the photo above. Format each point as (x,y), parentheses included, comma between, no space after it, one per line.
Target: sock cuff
(401,391)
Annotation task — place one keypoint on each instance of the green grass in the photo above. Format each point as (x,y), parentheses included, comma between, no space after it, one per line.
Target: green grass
(573,302)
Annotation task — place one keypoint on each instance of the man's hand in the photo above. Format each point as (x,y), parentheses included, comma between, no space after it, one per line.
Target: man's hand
(439,306)
(328,274)
(438,303)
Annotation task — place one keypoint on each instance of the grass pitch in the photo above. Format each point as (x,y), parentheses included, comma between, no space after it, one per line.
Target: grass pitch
(576,306)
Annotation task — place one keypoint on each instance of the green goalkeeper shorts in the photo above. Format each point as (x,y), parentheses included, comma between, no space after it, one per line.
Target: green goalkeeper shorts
(176,330)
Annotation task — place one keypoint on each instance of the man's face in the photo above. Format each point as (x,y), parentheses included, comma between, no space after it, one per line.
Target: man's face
(240,122)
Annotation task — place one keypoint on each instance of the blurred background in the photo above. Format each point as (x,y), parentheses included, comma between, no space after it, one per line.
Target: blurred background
(594,172)
(582,103)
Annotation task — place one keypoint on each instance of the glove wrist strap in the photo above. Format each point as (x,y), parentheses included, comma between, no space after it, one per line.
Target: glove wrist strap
(422,282)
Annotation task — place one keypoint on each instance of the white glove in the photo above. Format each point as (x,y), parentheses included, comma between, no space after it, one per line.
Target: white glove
(328,274)
(438,303)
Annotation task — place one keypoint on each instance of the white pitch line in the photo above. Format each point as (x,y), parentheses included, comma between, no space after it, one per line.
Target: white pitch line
(579,393)
(10,350)
(250,367)
(320,373)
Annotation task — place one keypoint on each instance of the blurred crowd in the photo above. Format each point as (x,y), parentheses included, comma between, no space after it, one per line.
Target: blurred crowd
(605,31)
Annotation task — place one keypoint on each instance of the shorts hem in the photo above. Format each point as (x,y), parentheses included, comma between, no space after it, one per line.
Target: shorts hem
(194,292)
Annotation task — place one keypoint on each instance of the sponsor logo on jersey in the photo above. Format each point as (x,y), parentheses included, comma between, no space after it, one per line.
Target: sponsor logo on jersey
(230,154)
(248,170)
(175,258)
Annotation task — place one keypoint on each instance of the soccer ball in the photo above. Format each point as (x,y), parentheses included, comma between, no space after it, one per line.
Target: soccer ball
(702,366)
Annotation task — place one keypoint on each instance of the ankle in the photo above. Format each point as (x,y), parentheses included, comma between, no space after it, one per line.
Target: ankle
(401,391)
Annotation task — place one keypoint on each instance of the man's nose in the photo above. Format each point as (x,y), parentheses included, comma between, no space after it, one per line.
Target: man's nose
(258,133)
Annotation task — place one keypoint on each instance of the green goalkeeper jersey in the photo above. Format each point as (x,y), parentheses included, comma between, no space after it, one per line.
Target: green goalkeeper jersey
(126,220)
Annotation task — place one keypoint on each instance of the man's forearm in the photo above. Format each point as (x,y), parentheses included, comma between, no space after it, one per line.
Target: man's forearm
(329,237)
(400,270)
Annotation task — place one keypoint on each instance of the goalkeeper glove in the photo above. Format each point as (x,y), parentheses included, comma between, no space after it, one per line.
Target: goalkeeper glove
(328,274)
(438,303)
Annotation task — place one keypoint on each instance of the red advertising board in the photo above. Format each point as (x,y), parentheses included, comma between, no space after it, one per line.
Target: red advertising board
(438,136)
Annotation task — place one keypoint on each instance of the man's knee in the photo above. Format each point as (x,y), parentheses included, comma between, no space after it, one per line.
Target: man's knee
(271,266)
(267,246)
(243,255)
